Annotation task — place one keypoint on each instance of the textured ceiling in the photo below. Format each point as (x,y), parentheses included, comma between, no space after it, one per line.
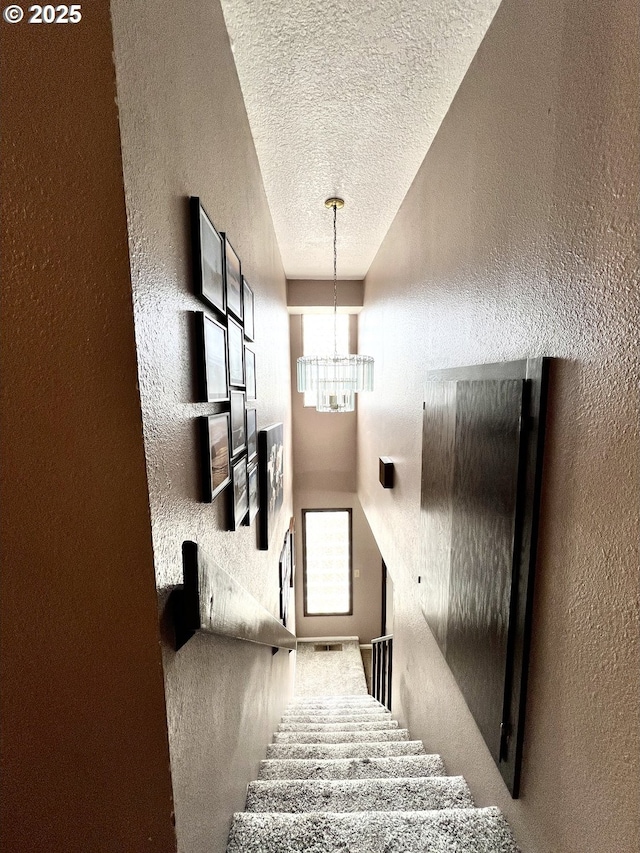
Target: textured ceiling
(344,98)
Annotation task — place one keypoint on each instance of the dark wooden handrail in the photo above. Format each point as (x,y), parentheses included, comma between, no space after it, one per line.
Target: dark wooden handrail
(212,601)
(382,669)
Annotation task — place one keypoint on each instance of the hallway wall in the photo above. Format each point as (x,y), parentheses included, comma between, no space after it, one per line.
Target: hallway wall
(325,460)
(517,239)
(185,132)
(85,758)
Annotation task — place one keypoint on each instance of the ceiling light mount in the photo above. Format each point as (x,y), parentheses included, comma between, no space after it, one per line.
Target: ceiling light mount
(335,379)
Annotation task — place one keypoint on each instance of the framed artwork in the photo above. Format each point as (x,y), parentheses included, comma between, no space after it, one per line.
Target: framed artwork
(236,353)
(250,373)
(248,305)
(239,493)
(208,258)
(252,434)
(212,360)
(292,545)
(234,280)
(285,578)
(216,456)
(270,479)
(238,431)
(252,481)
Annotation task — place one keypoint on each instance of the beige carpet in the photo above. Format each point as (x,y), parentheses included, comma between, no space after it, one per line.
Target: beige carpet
(329,673)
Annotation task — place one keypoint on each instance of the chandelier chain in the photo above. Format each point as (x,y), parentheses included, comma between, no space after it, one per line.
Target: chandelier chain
(335,279)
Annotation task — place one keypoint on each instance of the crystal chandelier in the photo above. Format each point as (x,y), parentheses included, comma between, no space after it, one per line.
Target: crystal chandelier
(335,378)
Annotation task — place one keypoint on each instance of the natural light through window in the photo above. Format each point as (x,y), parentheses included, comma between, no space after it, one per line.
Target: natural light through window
(317,339)
(327,568)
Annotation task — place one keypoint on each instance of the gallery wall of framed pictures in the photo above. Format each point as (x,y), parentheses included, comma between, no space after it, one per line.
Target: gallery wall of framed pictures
(226,364)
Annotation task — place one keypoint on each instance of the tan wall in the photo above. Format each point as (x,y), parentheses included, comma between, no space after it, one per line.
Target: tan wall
(185,132)
(85,759)
(518,237)
(325,462)
(307,294)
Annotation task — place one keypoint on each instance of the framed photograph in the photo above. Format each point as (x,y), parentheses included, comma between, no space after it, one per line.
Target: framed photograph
(252,481)
(239,493)
(292,545)
(216,456)
(250,373)
(248,305)
(285,579)
(236,353)
(212,360)
(238,431)
(270,479)
(234,280)
(252,434)
(208,258)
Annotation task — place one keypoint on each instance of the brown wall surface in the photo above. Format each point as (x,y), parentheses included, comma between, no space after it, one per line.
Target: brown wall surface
(518,238)
(185,132)
(325,462)
(85,759)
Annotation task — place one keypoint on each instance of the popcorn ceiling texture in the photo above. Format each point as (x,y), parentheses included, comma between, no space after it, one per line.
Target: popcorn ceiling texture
(344,97)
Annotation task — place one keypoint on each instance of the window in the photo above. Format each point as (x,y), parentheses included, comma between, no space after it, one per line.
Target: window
(318,339)
(327,562)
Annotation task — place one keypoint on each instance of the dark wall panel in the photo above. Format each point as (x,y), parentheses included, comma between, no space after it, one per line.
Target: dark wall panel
(481,462)
(487,444)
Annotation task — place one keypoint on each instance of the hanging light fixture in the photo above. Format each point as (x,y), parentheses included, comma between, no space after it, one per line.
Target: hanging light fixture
(335,378)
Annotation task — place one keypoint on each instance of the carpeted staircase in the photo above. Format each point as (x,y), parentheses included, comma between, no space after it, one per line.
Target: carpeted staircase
(341,777)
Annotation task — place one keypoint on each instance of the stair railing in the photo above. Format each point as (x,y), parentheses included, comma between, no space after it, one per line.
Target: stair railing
(211,601)
(382,669)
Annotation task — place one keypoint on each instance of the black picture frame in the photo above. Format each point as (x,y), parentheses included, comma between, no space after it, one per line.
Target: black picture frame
(238,425)
(270,479)
(248,301)
(208,258)
(250,372)
(233,277)
(238,493)
(213,360)
(252,485)
(284,572)
(216,468)
(252,433)
(235,339)
(292,545)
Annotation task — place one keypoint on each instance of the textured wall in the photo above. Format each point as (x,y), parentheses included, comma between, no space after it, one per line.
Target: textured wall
(185,132)
(519,237)
(85,759)
(324,460)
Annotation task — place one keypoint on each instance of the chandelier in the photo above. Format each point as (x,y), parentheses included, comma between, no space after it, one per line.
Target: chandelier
(335,379)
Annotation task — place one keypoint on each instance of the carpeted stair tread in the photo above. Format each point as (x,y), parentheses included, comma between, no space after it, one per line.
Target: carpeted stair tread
(359,795)
(341,726)
(345,703)
(333,698)
(352,768)
(337,716)
(367,749)
(440,831)
(340,736)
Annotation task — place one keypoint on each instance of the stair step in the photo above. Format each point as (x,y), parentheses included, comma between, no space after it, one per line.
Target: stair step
(323,751)
(346,716)
(358,795)
(336,702)
(341,726)
(340,736)
(450,830)
(352,768)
